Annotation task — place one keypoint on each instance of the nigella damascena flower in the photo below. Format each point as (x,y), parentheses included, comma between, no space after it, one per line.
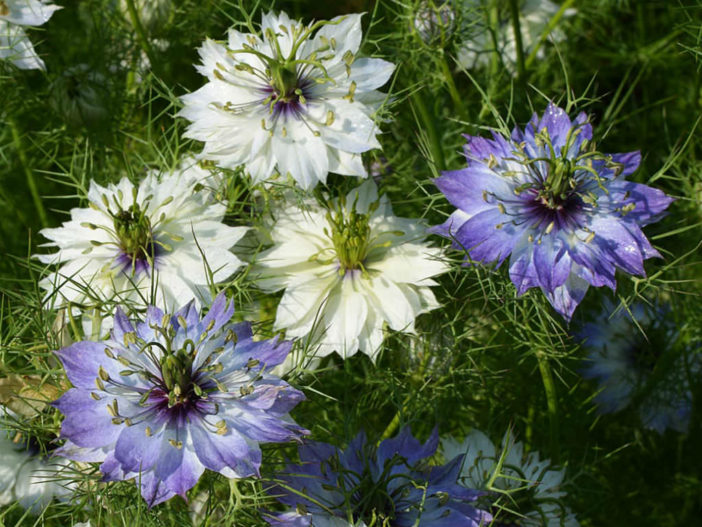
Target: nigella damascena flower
(641,361)
(526,489)
(562,212)
(15,46)
(391,484)
(534,18)
(161,242)
(165,399)
(27,477)
(346,268)
(295,99)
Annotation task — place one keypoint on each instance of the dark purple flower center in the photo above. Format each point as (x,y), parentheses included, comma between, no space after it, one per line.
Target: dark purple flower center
(553,213)
(290,97)
(138,248)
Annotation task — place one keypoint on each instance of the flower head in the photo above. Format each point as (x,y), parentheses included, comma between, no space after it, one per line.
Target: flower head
(295,98)
(636,358)
(534,18)
(390,484)
(157,242)
(346,269)
(28,478)
(532,484)
(561,211)
(14,43)
(174,395)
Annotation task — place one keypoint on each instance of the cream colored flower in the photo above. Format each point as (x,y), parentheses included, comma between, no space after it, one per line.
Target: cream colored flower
(348,269)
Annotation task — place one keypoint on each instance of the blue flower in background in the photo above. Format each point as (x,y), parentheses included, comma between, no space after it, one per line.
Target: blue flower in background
(562,212)
(165,400)
(364,485)
(637,361)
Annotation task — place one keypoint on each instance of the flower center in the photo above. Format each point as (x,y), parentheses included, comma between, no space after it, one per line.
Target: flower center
(285,82)
(135,235)
(177,376)
(351,237)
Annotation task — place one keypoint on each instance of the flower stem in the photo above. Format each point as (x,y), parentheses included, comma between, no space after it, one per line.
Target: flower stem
(547,31)
(395,422)
(453,91)
(31,182)
(430,128)
(140,32)
(551,401)
(521,70)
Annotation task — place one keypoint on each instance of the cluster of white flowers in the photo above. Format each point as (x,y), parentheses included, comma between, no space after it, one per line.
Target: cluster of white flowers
(15,45)
(348,266)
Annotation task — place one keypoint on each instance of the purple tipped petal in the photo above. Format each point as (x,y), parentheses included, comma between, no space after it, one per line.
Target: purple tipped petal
(82,361)
(87,422)
(629,160)
(121,327)
(566,298)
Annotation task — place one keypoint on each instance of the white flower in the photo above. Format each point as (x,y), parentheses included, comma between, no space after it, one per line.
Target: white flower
(29,479)
(288,101)
(531,482)
(14,43)
(155,243)
(534,17)
(347,269)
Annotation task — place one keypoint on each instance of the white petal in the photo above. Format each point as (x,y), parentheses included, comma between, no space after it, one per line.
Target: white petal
(369,74)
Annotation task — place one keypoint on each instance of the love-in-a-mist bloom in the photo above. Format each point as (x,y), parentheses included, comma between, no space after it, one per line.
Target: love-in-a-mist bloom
(391,484)
(28,478)
(15,45)
(160,242)
(346,269)
(562,212)
(641,361)
(484,41)
(526,489)
(294,99)
(166,398)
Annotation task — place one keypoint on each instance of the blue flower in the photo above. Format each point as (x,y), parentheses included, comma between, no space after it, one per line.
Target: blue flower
(562,212)
(175,395)
(638,361)
(390,484)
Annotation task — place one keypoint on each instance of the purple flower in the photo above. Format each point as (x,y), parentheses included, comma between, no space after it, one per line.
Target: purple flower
(165,399)
(638,359)
(366,485)
(562,212)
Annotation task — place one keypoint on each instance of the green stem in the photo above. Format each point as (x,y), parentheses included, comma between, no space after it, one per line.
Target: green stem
(31,182)
(140,32)
(493,25)
(430,129)
(395,422)
(546,32)
(521,70)
(453,91)
(551,401)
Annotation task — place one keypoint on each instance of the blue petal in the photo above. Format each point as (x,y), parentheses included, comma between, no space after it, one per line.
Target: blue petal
(87,422)
(229,450)
(566,298)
